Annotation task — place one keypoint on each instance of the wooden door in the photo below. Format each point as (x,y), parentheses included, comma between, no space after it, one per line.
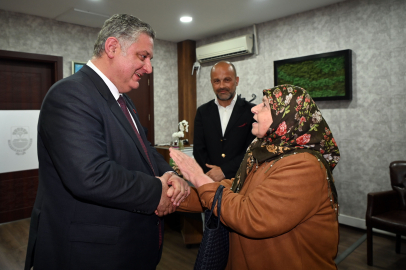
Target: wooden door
(24,80)
(143,99)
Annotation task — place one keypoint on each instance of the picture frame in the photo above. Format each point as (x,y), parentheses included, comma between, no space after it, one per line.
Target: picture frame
(76,66)
(326,76)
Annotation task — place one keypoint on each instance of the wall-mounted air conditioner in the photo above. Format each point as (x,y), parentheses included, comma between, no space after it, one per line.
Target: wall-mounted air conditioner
(225,49)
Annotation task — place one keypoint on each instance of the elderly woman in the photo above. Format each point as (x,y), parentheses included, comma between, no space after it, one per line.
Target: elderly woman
(282,205)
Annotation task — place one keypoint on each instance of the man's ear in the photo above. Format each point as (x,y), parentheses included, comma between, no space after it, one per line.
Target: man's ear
(110,46)
(237,79)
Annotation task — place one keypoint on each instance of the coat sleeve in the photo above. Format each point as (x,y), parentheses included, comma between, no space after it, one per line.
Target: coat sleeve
(72,129)
(192,202)
(288,194)
(199,143)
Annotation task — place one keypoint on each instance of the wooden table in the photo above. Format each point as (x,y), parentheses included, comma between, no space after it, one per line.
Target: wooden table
(164,151)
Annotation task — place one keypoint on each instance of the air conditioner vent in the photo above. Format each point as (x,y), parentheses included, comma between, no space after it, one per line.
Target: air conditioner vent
(225,49)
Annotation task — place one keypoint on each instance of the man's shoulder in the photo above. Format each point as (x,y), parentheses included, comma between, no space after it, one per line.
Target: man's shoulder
(73,84)
(80,76)
(206,105)
(74,79)
(244,103)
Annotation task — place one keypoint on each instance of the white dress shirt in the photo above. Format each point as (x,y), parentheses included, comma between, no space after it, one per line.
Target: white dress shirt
(225,112)
(110,85)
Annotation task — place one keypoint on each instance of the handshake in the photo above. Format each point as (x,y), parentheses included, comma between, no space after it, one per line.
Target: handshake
(174,191)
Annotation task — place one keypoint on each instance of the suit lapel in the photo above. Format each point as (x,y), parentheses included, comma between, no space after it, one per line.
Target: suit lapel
(235,115)
(142,133)
(98,82)
(215,116)
(115,108)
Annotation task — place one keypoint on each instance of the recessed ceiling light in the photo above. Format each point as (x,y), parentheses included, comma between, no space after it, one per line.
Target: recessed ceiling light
(186,19)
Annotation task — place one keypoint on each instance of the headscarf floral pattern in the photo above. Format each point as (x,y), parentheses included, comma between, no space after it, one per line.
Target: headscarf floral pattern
(297,125)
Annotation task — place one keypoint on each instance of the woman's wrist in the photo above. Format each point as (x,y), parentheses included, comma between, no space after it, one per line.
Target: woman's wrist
(201,180)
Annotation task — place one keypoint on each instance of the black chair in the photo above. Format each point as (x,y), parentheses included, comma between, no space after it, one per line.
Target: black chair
(386,210)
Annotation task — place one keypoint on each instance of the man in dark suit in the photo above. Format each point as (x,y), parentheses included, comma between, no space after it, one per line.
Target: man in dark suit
(222,126)
(103,189)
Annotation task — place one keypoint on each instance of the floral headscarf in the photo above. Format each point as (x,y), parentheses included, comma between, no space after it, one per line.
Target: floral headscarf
(298,126)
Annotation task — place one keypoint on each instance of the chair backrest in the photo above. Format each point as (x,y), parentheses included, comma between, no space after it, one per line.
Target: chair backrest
(397,171)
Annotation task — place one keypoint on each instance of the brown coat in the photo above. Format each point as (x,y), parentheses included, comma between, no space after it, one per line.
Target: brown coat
(282,218)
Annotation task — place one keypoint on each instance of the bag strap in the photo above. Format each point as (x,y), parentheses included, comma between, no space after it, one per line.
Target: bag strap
(216,200)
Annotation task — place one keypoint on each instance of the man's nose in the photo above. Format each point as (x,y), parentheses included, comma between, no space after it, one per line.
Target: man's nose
(148,66)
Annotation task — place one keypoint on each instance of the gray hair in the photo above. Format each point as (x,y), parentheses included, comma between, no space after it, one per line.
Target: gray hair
(126,28)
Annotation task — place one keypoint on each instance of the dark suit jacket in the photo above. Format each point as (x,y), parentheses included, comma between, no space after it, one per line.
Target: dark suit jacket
(209,145)
(97,194)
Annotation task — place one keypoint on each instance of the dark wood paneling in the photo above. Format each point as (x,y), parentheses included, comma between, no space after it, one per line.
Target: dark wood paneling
(25,78)
(57,61)
(24,81)
(24,84)
(187,85)
(18,191)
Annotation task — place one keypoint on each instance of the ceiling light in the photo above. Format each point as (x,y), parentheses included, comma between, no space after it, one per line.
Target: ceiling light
(186,19)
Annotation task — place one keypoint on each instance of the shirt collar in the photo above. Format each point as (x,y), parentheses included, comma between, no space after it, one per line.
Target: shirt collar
(110,85)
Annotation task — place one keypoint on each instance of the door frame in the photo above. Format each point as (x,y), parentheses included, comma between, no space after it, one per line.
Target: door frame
(57,61)
(27,178)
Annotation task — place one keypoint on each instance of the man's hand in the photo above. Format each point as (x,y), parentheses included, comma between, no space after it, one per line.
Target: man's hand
(189,168)
(180,191)
(215,173)
(165,205)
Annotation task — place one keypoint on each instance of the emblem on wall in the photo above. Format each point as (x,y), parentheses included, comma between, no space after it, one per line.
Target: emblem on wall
(20,140)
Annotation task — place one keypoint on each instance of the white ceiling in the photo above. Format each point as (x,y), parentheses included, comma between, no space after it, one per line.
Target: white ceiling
(210,17)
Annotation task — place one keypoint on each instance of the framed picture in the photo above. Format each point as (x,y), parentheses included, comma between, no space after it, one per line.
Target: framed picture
(326,76)
(76,66)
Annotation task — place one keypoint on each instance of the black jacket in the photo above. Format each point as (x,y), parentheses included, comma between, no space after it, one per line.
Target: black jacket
(209,145)
(97,193)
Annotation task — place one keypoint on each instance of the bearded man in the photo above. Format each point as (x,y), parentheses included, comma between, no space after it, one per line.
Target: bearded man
(222,126)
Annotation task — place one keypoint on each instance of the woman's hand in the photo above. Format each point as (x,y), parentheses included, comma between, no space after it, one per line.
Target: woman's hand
(178,184)
(189,168)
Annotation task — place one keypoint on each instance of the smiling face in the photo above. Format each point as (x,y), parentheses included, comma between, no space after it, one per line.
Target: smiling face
(263,118)
(130,65)
(224,82)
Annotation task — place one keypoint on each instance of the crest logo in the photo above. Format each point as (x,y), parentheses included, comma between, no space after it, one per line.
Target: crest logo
(20,140)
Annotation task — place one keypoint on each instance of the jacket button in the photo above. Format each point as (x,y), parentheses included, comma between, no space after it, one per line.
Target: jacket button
(157,223)
(223,155)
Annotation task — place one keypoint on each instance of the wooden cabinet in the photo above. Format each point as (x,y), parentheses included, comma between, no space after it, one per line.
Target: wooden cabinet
(164,151)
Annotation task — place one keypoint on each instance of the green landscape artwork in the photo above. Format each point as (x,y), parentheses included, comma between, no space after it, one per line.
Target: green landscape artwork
(325,78)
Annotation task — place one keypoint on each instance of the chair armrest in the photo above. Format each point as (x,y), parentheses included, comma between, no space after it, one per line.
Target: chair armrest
(381,202)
